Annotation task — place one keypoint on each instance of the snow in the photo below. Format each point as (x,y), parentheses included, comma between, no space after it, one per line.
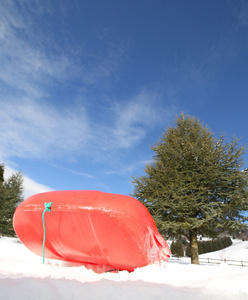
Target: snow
(23,276)
(238,251)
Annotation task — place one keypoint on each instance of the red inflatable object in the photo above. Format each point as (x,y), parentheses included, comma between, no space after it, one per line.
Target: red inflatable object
(91,227)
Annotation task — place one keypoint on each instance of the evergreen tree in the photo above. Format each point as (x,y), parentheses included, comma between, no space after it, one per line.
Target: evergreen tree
(195,184)
(1,173)
(177,249)
(10,196)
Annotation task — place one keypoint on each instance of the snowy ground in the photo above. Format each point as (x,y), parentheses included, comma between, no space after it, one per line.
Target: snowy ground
(23,276)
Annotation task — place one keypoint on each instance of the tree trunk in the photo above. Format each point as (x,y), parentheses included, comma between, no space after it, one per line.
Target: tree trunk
(194,247)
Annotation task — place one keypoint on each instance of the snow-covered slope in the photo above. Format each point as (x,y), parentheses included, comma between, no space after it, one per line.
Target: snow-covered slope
(23,276)
(238,251)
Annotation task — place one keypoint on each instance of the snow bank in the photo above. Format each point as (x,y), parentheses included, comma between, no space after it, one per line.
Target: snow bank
(23,276)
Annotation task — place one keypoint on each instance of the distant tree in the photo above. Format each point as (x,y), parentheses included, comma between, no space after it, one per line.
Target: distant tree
(10,196)
(241,234)
(194,184)
(1,173)
(177,248)
(211,245)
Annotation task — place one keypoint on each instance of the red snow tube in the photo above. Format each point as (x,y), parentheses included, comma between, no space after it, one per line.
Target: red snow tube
(91,227)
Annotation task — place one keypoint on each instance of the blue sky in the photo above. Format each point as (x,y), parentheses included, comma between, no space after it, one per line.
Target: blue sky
(87,86)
